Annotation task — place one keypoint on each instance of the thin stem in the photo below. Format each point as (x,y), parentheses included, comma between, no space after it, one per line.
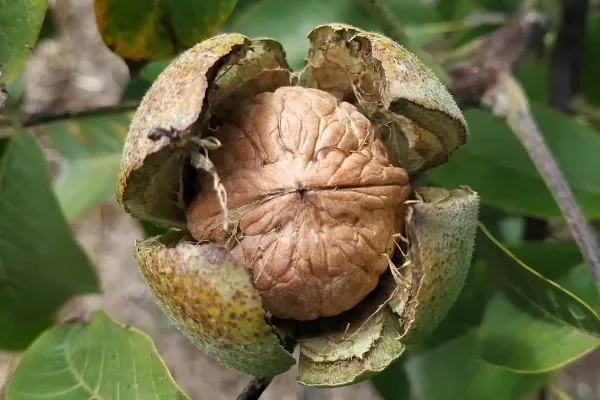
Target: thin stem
(390,24)
(41,119)
(391,27)
(510,103)
(463,52)
(255,388)
(588,111)
(558,393)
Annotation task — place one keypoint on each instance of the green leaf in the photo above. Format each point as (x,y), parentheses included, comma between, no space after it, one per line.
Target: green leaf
(91,147)
(505,6)
(453,10)
(494,164)
(543,344)
(49,28)
(150,229)
(579,280)
(41,265)
(533,75)
(535,290)
(590,79)
(15,89)
(455,370)
(101,359)
(421,21)
(392,382)
(521,338)
(469,34)
(552,260)
(137,88)
(141,30)
(20,24)
(413,12)
(290,21)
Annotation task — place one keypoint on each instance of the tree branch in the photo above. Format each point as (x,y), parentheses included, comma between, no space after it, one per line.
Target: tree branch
(496,57)
(255,388)
(486,80)
(509,102)
(43,118)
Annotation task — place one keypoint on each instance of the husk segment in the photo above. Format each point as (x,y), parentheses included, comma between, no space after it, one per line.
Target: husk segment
(212,300)
(440,226)
(417,117)
(203,82)
(351,357)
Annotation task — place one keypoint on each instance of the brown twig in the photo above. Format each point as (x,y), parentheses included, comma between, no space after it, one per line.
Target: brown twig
(43,118)
(508,101)
(255,388)
(487,81)
(565,68)
(495,58)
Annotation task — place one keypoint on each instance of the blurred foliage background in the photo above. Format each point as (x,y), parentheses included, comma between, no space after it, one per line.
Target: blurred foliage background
(526,324)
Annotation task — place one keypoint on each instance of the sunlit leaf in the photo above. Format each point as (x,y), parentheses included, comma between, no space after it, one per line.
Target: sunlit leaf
(101,359)
(495,164)
(20,24)
(522,338)
(41,265)
(533,289)
(141,30)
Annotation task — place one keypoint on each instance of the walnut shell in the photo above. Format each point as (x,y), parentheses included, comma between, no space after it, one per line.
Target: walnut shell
(313,197)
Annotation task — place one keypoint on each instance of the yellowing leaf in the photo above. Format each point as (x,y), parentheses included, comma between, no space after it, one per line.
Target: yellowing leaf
(141,30)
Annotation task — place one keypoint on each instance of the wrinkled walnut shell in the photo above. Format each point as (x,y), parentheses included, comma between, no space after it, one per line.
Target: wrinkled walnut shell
(313,199)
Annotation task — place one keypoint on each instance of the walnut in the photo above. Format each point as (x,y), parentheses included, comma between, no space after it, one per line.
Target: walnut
(293,221)
(314,199)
